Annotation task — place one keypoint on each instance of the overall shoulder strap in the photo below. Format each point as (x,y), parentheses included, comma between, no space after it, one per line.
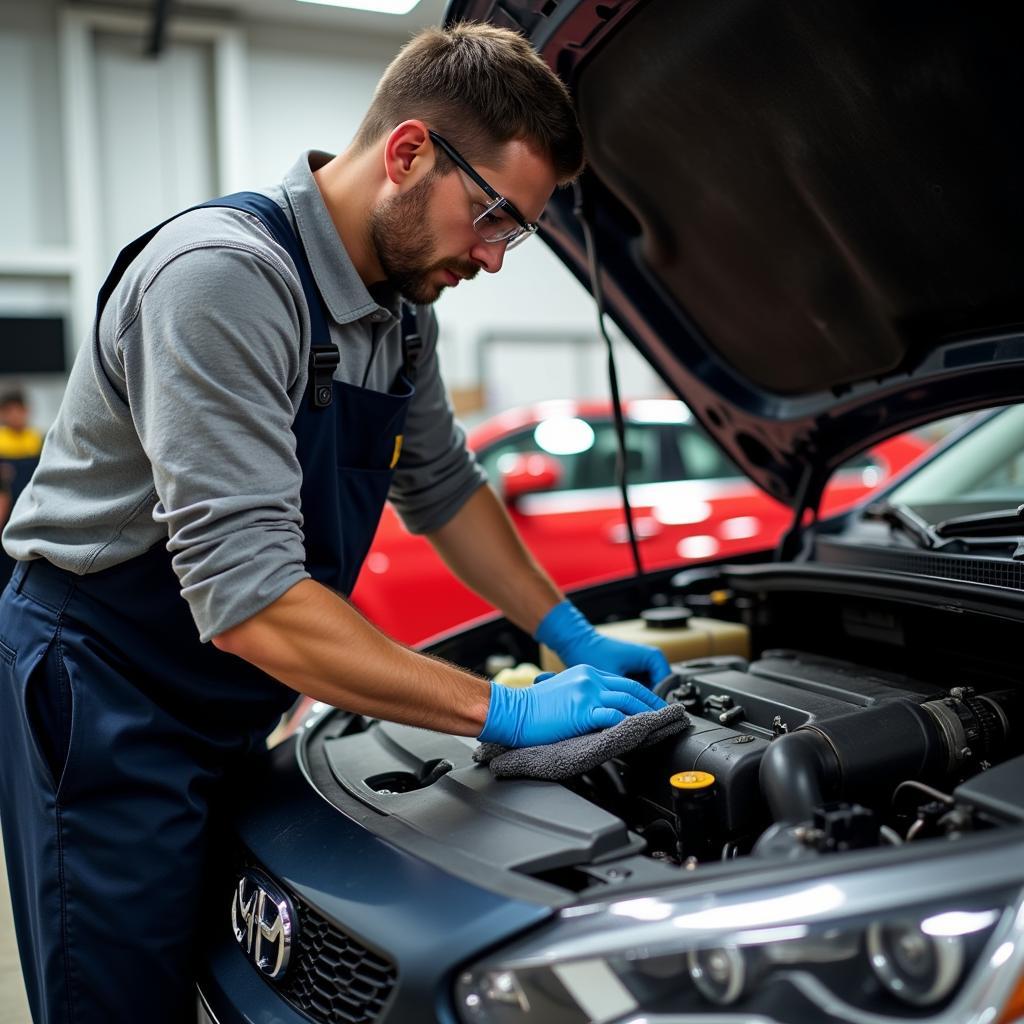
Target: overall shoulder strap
(323,353)
(412,341)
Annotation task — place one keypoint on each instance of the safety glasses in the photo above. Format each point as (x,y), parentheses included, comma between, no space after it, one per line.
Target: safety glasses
(499,220)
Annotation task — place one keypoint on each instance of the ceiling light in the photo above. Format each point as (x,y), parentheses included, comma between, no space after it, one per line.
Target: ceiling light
(378,6)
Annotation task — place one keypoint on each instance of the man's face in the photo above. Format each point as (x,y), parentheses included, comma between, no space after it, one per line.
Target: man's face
(425,239)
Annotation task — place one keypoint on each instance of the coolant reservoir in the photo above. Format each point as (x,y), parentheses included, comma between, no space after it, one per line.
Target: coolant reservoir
(519,675)
(679,633)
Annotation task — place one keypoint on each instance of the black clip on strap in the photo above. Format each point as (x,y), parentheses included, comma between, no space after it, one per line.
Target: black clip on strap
(412,343)
(323,361)
(324,357)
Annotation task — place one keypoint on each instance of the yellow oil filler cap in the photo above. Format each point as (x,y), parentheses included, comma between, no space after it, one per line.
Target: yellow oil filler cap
(691,780)
(693,800)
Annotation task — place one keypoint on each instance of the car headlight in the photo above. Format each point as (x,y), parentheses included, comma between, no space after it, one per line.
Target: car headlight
(868,946)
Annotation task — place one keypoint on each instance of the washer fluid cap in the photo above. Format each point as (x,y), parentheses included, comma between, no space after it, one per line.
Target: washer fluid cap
(692,780)
(669,617)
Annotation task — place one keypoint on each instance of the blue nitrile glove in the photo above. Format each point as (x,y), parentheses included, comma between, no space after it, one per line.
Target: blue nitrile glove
(575,701)
(567,632)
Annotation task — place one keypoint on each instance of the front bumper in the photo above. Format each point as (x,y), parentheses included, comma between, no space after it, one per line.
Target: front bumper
(426,922)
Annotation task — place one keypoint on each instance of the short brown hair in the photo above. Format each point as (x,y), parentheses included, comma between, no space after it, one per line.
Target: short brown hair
(479,86)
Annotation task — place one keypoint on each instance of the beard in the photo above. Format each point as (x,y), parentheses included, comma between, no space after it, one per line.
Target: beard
(400,235)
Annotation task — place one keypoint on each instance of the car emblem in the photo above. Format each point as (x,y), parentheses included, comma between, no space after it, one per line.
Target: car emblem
(263,921)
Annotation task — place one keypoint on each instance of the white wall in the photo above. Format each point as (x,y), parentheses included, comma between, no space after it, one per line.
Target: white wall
(306,90)
(31,170)
(533,293)
(33,215)
(207,117)
(156,134)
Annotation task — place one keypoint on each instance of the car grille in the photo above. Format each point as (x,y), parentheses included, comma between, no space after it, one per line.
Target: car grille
(333,979)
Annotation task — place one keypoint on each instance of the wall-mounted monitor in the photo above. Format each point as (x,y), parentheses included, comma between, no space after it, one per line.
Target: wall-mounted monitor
(32,344)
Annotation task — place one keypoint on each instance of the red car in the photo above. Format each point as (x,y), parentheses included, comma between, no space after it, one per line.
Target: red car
(554,463)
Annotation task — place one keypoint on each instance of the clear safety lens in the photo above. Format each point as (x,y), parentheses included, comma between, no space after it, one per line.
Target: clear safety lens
(496,224)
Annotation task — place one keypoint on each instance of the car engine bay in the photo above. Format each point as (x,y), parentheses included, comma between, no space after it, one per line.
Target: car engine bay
(857,720)
(806,754)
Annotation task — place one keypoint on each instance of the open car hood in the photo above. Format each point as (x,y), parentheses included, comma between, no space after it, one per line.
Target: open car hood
(809,217)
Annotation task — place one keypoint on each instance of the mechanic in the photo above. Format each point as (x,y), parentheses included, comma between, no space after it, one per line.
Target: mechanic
(253,390)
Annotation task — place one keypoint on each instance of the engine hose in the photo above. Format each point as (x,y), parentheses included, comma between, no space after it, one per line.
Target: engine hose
(799,771)
(860,754)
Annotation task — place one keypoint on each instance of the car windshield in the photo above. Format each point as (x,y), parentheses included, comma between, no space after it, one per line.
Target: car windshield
(982,472)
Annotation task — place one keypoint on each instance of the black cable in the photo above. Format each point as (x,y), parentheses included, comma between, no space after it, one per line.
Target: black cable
(582,213)
(369,363)
(935,794)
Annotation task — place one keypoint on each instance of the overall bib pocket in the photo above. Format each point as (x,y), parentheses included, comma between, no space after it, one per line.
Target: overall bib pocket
(362,493)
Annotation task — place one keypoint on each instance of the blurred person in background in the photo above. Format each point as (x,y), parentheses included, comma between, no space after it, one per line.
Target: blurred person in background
(20,445)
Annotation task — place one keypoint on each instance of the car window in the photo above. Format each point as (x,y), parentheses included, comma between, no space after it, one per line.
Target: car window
(586,451)
(589,461)
(1006,479)
(596,467)
(515,444)
(984,466)
(700,458)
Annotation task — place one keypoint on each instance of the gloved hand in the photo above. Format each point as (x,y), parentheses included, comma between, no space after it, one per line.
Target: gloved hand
(578,700)
(567,632)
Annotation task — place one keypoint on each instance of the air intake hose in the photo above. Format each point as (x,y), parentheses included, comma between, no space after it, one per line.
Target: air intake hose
(866,754)
(857,755)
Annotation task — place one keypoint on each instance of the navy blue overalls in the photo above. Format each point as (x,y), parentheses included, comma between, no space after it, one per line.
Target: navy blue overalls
(117,724)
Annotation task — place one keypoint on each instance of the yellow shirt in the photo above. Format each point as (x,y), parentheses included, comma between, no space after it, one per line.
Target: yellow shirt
(20,444)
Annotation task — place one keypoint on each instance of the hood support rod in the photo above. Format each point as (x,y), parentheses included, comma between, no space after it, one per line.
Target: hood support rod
(584,211)
(808,498)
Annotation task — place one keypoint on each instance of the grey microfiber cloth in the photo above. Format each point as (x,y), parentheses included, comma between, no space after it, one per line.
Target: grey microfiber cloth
(568,758)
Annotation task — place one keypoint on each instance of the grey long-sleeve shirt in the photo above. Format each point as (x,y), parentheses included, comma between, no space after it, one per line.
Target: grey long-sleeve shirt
(176,425)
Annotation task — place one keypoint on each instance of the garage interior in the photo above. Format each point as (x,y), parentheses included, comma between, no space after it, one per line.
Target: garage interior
(116,115)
